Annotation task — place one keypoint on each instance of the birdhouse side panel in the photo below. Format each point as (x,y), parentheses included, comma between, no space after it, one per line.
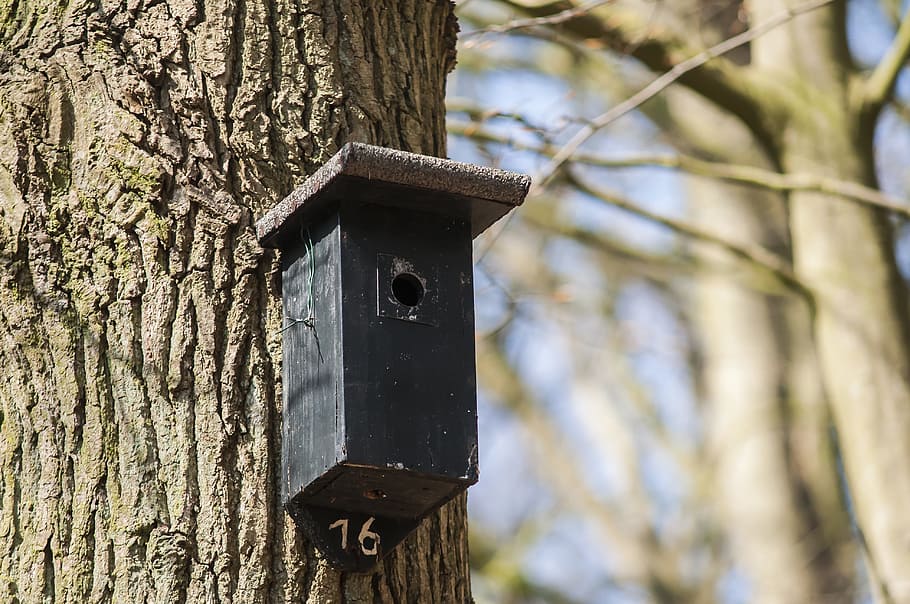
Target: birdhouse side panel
(312,376)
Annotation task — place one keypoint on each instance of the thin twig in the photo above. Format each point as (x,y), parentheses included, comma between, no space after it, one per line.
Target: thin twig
(755,254)
(662,82)
(881,82)
(650,265)
(737,173)
(555,19)
(482,114)
(641,559)
(901,109)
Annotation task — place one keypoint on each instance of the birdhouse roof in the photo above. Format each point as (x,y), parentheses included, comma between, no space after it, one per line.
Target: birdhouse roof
(370,174)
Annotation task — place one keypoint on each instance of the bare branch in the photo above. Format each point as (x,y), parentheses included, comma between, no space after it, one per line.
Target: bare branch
(642,559)
(482,114)
(901,109)
(741,174)
(775,181)
(554,19)
(625,258)
(501,562)
(755,254)
(665,80)
(721,82)
(618,258)
(881,82)
(892,8)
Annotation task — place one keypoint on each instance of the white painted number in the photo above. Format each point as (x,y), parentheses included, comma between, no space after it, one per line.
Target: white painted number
(365,534)
(343,523)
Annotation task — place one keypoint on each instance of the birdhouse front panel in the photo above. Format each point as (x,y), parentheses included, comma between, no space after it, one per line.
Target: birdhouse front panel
(409,376)
(407,325)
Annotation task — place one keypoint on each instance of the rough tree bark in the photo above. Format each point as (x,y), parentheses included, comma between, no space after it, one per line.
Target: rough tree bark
(139,410)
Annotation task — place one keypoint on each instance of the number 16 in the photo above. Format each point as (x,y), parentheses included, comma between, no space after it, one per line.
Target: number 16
(365,533)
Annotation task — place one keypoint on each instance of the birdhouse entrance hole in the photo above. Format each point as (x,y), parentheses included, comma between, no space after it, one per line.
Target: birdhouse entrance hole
(407,289)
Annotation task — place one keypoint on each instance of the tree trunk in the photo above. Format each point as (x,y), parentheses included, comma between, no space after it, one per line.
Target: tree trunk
(844,253)
(776,479)
(139,318)
(768,429)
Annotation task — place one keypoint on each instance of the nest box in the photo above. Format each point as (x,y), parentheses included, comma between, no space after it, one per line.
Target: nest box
(379,420)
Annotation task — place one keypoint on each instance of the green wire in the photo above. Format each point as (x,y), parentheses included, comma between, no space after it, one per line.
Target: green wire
(311,280)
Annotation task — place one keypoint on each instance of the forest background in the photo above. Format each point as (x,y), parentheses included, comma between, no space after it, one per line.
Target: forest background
(682,375)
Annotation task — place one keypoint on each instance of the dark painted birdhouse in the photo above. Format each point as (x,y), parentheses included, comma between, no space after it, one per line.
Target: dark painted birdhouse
(379,423)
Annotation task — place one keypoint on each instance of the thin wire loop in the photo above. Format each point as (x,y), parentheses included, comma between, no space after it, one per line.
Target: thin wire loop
(310,319)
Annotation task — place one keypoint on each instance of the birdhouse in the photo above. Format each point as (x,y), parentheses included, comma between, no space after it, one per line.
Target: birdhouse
(379,394)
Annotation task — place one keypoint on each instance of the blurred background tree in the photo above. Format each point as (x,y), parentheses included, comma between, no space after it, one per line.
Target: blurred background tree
(693,345)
